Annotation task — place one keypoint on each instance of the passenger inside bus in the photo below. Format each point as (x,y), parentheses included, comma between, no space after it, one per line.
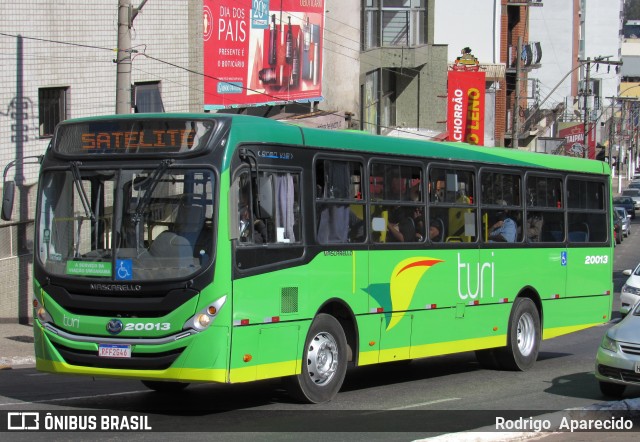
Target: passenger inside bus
(504,229)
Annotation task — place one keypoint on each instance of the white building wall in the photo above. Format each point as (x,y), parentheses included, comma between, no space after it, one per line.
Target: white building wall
(552,25)
(603,38)
(341,67)
(469,23)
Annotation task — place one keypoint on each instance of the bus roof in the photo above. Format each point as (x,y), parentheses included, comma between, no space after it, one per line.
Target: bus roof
(258,129)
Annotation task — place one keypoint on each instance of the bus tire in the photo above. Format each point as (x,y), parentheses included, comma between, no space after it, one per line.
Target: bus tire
(324,362)
(523,337)
(165,387)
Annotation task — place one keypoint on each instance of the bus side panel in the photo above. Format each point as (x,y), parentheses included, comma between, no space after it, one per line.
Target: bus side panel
(589,271)
(566,315)
(278,308)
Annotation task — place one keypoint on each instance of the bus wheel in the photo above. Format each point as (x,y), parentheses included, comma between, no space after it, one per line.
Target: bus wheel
(324,362)
(165,387)
(523,337)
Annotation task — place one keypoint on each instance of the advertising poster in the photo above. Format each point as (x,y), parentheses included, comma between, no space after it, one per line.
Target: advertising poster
(262,52)
(573,133)
(465,109)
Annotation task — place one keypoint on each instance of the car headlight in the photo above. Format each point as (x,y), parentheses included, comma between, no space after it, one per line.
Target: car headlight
(609,344)
(631,290)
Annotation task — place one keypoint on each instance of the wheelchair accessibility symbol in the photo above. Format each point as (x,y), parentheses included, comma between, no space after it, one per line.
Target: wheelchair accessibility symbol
(563,258)
(124,269)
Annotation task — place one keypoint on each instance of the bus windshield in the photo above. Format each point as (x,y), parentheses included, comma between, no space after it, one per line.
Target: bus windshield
(125,224)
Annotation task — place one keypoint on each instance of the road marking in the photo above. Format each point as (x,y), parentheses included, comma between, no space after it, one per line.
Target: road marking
(439,401)
(46,401)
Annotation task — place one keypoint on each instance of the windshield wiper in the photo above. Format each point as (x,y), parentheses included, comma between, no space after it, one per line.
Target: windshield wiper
(154,178)
(77,179)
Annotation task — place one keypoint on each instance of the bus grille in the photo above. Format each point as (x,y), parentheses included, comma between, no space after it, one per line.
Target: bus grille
(138,361)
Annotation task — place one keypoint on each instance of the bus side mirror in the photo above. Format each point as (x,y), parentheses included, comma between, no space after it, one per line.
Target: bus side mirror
(8,191)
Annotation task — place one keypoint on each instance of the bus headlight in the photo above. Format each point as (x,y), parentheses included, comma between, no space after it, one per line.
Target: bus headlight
(205,317)
(43,315)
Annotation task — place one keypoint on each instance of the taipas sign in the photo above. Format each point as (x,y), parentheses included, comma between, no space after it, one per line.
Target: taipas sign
(258,52)
(465,109)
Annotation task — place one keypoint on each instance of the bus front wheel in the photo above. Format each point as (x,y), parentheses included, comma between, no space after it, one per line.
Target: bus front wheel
(523,337)
(324,362)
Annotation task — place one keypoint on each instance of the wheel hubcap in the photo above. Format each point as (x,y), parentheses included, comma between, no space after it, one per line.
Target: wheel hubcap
(526,334)
(322,358)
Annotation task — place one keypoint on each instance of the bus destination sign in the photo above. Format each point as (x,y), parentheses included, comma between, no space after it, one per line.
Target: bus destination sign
(133,137)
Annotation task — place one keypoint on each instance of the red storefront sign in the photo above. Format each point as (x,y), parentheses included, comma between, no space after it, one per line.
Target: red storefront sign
(573,133)
(465,109)
(262,51)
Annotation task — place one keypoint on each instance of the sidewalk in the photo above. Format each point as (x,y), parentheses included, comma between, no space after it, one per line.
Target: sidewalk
(16,346)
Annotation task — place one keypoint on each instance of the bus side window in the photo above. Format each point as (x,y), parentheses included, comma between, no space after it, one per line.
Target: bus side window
(339,203)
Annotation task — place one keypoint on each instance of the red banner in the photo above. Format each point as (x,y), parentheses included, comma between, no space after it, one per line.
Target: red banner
(573,133)
(262,51)
(465,110)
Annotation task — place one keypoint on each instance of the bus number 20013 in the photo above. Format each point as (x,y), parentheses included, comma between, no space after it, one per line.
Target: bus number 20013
(139,326)
(596,259)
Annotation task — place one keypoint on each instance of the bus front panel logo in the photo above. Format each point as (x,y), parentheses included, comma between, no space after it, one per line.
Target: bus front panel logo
(114,326)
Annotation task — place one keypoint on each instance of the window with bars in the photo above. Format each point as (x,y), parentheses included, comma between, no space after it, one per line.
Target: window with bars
(52,109)
(394,23)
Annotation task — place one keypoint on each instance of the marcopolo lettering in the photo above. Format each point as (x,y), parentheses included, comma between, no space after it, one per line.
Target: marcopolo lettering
(116,287)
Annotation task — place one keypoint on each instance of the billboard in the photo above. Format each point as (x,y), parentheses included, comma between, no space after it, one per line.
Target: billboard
(465,109)
(573,133)
(262,52)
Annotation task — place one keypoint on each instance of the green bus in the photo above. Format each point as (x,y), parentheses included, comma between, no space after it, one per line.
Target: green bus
(218,248)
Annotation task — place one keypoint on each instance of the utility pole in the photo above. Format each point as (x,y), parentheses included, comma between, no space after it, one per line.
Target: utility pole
(126,15)
(587,93)
(515,129)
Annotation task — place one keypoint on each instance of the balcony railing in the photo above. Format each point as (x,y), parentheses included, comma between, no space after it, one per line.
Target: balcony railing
(531,55)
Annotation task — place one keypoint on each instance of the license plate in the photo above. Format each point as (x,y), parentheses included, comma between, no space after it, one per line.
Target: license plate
(637,367)
(114,351)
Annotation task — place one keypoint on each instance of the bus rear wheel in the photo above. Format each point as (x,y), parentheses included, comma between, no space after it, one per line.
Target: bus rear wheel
(324,362)
(165,387)
(523,337)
